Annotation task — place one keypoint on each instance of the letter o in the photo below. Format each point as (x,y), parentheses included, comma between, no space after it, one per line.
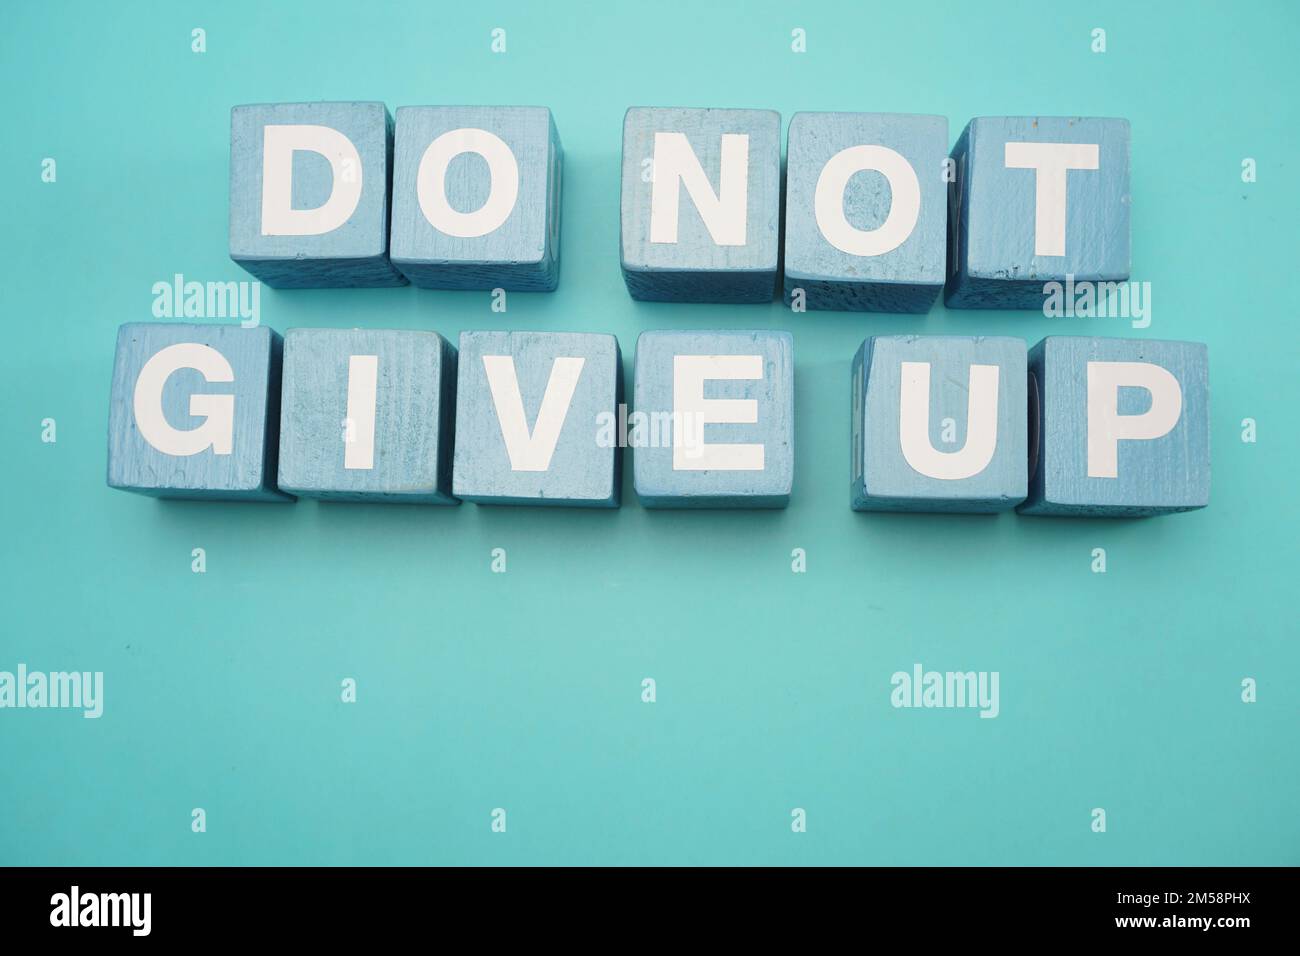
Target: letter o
(904,208)
(431,183)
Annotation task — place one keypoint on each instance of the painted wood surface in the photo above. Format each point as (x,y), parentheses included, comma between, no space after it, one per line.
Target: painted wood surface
(696,268)
(768,385)
(582,467)
(353,254)
(883,478)
(992,249)
(516,250)
(241,367)
(368,415)
(909,276)
(1153,476)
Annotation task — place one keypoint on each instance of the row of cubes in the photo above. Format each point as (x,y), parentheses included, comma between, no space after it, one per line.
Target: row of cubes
(877,215)
(1075,426)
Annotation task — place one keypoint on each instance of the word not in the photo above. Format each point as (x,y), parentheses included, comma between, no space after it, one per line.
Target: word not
(83,690)
(879,215)
(75,908)
(923,688)
(1074,427)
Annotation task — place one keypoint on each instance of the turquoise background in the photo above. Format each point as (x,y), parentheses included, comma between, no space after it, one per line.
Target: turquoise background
(522,690)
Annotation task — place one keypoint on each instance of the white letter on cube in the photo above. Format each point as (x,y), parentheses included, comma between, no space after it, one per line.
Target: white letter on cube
(218,429)
(692,411)
(279,143)
(1107,427)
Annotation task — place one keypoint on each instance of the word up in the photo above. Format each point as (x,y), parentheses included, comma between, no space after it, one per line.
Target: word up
(1075,426)
(879,214)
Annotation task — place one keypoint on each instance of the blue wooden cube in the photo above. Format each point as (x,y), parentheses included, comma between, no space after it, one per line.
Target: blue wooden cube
(1118,427)
(866,211)
(309,194)
(536,416)
(194,411)
(938,424)
(1036,199)
(701,205)
(713,419)
(368,415)
(476,197)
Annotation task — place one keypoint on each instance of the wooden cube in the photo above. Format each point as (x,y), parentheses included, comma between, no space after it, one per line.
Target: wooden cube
(535,419)
(701,204)
(938,424)
(476,197)
(309,194)
(713,424)
(866,211)
(194,411)
(368,415)
(1037,200)
(1118,427)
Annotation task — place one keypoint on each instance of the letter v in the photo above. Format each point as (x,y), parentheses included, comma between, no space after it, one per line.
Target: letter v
(531,451)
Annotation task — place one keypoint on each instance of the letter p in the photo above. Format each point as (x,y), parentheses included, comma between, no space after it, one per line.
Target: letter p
(1107,427)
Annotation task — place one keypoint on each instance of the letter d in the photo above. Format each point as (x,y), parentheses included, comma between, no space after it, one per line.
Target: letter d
(279,143)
